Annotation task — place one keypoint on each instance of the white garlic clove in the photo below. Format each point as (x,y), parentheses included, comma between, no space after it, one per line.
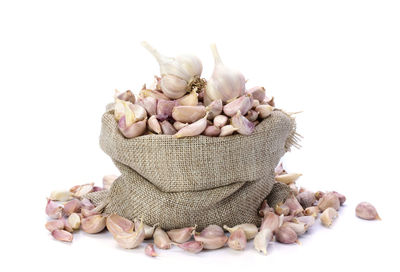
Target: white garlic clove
(161,239)
(190,99)
(244,126)
(181,235)
(212,131)
(53,210)
(242,104)
(139,112)
(214,109)
(149,250)
(74,220)
(67,226)
(54,225)
(212,237)
(252,115)
(255,104)
(108,180)
(119,109)
(148,230)
(312,211)
(193,129)
(327,216)
(271,221)
(62,235)
(188,114)
(130,239)
(93,224)
(281,209)
(134,130)
(81,190)
(288,178)
(220,120)
(60,195)
(237,240)
(329,200)
(264,110)
(258,93)
(152,93)
(154,125)
(167,128)
(179,125)
(262,239)
(250,230)
(299,227)
(116,224)
(227,130)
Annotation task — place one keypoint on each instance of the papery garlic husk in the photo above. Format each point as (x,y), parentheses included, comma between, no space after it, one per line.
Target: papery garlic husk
(62,235)
(167,128)
(161,239)
(227,130)
(367,211)
(193,129)
(134,130)
(264,208)
(225,83)
(148,230)
(214,109)
(249,229)
(299,227)
(252,115)
(179,125)
(268,101)
(242,104)
(286,235)
(60,195)
(139,112)
(306,199)
(53,210)
(244,126)
(119,109)
(279,170)
(220,120)
(149,250)
(108,180)
(309,220)
(81,190)
(116,224)
(213,237)
(237,240)
(191,246)
(54,225)
(264,110)
(212,131)
(127,96)
(93,224)
(149,104)
(190,99)
(188,114)
(288,178)
(154,125)
(72,206)
(271,221)
(294,205)
(262,239)
(341,197)
(181,235)
(312,211)
(130,239)
(74,220)
(329,200)
(165,107)
(327,216)
(258,93)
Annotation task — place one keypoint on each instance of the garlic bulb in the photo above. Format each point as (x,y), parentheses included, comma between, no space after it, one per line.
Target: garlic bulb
(177,73)
(225,83)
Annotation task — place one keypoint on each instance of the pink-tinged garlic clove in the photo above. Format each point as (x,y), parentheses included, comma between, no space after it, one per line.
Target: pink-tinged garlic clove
(127,96)
(258,93)
(81,190)
(212,131)
(367,211)
(237,240)
(54,225)
(306,199)
(250,230)
(67,226)
(329,200)
(149,250)
(252,115)
(149,104)
(298,227)
(188,114)
(131,239)
(116,224)
(88,212)
(227,130)
(264,111)
(262,240)
(53,210)
(193,129)
(288,178)
(244,126)
(191,246)
(93,224)
(62,235)
(282,209)
(279,170)
(286,235)
(294,205)
(212,237)
(294,189)
(60,195)
(165,107)
(271,221)
(179,125)
(152,93)
(161,239)
(264,209)
(220,121)
(167,128)
(319,195)
(214,109)
(72,206)
(242,104)
(108,180)
(154,125)
(328,216)
(134,130)
(341,197)
(309,220)
(148,230)
(190,99)
(181,235)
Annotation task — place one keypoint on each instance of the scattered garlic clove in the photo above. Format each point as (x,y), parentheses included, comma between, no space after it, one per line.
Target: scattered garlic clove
(81,190)
(327,216)
(161,239)
(149,104)
(227,130)
(264,111)
(309,220)
(130,239)
(213,237)
(212,131)
(252,115)
(54,225)
(279,170)
(93,224)
(134,130)
(288,178)
(220,120)
(167,128)
(319,195)
(74,220)
(139,112)
(271,221)
(367,211)
(312,211)
(148,230)
(329,200)
(72,206)
(237,240)
(154,125)
(127,96)
(193,129)
(281,209)
(191,246)
(258,93)
(108,180)
(286,235)
(264,208)
(165,107)
(214,109)
(149,250)
(242,104)
(62,235)
(116,224)
(190,99)
(262,239)
(250,230)
(188,114)
(60,195)
(294,205)
(299,227)
(86,212)
(181,235)
(244,126)
(341,197)
(67,226)
(53,210)
(306,199)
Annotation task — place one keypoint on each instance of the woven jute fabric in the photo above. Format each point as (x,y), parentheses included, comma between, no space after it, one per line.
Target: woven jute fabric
(197,180)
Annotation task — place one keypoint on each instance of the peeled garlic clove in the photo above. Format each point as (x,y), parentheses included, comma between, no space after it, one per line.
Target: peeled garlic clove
(150,251)
(294,205)
(53,210)
(139,112)
(288,178)
(242,104)
(72,206)
(193,129)
(130,239)
(312,211)
(264,209)
(286,235)
(308,220)
(212,237)
(329,200)
(191,246)
(74,220)
(149,104)
(281,209)
(252,115)
(190,99)
(181,235)
(298,227)
(60,195)
(366,211)
(264,111)
(62,235)
(108,180)
(161,239)
(81,190)
(179,125)
(227,130)
(148,230)
(214,109)
(167,128)
(173,87)
(306,199)
(262,239)
(212,131)
(244,126)
(154,125)
(271,221)
(237,240)
(54,225)
(250,230)
(188,114)
(257,93)
(127,96)
(134,130)
(93,224)
(220,120)
(165,107)
(327,216)
(225,83)
(116,224)
(341,197)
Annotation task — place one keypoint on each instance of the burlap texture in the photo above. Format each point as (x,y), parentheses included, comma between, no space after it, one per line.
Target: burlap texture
(198,180)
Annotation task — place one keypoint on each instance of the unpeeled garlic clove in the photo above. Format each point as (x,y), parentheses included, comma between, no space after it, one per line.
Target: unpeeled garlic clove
(258,93)
(264,110)
(139,112)
(173,87)
(282,209)
(268,101)
(53,210)
(214,109)
(116,224)
(190,99)
(299,227)
(193,129)
(250,230)
(81,190)
(74,220)
(341,197)
(134,130)
(288,178)
(93,224)
(154,125)
(72,206)
(227,130)
(62,235)
(188,114)
(161,239)
(67,226)
(329,200)
(179,125)
(127,96)
(149,250)
(191,246)
(97,188)
(262,239)
(108,180)
(294,205)
(306,199)
(255,104)
(309,220)
(237,240)
(220,120)
(181,235)
(213,237)
(86,212)
(252,115)
(319,195)
(167,128)
(152,93)
(312,211)
(60,195)
(279,170)
(130,239)
(148,230)
(242,104)
(165,107)
(286,235)
(327,216)
(212,131)
(264,208)
(54,225)
(271,221)
(149,104)
(244,126)
(367,211)
(294,189)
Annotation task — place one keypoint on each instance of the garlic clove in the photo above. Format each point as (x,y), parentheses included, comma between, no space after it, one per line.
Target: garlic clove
(131,239)
(60,195)
(341,197)
(119,109)
(54,225)
(288,178)
(294,189)
(193,129)
(190,99)
(127,96)
(154,125)
(367,211)
(268,101)
(299,227)
(179,125)
(86,212)
(53,210)
(81,190)
(188,114)
(167,128)
(74,220)
(319,195)
(153,93)
(309,220)
(191,246)
(271,221)
(264,209)
(148,230)
(255,104)
(220,120)
(212,237)
(244,126)
(262,239)
(214,109)
(327,216)
(258,93)
(149,104)
(329,200)
(264,110)
(237,240)
(67,226)
(93,224)
(139,112)
(242,104)
(108,180)
(116,224)
(281,209)
(227,130)
(173,87)
(181,235)
(165,107)
(62,235)
(97,189)
(252,115)
(134,130)
(149,250)
(279,170)
(212,131)
(72,206)
(161,239)
(294,205)
(286,235)
(250,230)
(312,211)
(306,199)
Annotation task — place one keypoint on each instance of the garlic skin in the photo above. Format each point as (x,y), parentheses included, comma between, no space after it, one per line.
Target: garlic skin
(220,120)
(225,83)
(149,250)
(54,225)
(149,104)
(327,216)
(81,190)
(191,246)
(134,130)
(329,200)
(212,131)
(108,180)
(212,237)
(131,239)
(62,235)
(288,178)
(53,210)
(181,235)
(262,239)
(167,128)
(271,221)
(237,240)
(148,230)
(227,130)
(93,224)
(117,224)
(367,211)
(312,211)
(72,206)
(214,109)
(188,114)
(74,220)
(250,230)
(126,96)
(252,115)
(193,129)
(286,235)
(243,125)
(242,104)
(258,93)
(154,125)
(264,110)
(161,239)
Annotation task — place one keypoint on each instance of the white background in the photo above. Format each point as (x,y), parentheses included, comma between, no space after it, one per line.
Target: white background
(338,61)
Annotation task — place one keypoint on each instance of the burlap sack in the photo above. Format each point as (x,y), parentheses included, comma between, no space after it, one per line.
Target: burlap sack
(197,180)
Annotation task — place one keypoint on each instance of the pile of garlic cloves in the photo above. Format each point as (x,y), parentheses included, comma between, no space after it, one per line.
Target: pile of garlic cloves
(183,104)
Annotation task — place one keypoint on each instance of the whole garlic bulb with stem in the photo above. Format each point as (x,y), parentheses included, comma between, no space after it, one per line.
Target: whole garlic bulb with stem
(225,83)
(178,74)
